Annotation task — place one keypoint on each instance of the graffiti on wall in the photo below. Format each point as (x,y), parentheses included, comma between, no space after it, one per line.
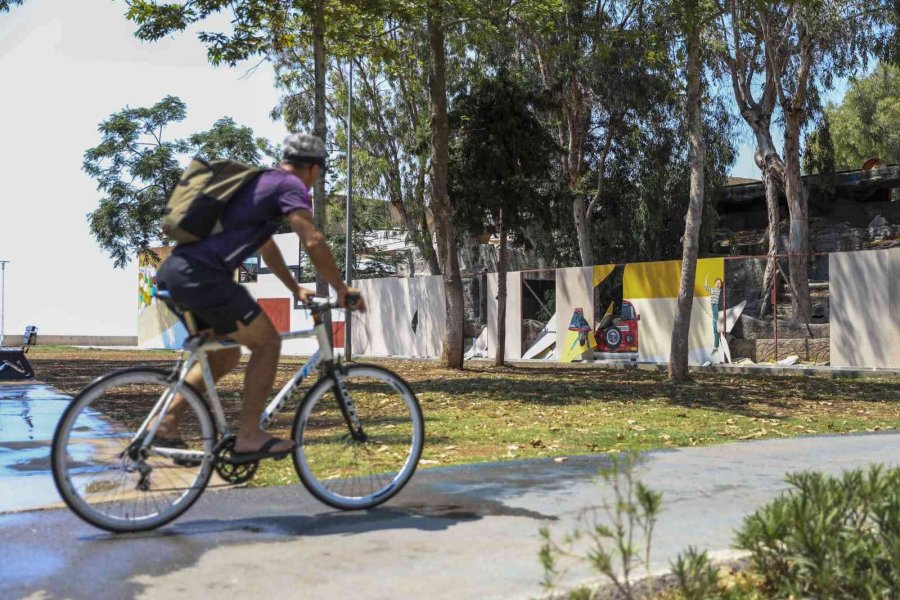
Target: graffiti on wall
(634,309)
(158,327)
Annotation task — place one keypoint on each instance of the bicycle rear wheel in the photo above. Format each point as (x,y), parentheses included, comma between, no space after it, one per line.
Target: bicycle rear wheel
(101,474)
(345,472)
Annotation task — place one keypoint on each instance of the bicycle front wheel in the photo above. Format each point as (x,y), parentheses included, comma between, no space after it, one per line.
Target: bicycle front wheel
(98,469)
(357,472)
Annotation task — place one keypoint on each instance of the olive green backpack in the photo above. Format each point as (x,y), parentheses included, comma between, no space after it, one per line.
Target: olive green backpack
(195,208)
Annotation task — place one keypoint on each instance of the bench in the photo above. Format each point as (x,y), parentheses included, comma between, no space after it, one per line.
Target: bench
(13,363)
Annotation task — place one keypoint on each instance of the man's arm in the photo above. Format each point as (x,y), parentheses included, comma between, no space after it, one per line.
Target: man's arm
(314,241)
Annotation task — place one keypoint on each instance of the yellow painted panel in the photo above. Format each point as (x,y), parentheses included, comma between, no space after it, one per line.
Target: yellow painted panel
(601,272)
(573,349)
(652,280)
(662,279)
(708,270)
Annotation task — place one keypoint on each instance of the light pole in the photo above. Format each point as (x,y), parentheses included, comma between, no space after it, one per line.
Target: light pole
(348,240)
(2,299)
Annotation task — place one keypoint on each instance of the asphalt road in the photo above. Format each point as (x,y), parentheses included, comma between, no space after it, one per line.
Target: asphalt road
(457,532)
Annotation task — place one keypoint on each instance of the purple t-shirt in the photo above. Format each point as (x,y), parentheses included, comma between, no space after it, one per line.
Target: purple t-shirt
(250,219)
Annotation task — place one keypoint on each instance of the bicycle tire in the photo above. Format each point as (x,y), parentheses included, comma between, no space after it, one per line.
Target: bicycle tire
(321,434)
(76,455)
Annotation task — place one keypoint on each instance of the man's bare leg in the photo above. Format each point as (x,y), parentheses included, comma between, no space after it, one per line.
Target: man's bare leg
(265,348)
(221,363)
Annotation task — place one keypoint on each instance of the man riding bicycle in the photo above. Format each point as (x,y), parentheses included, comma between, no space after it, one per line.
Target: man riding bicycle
(199,277)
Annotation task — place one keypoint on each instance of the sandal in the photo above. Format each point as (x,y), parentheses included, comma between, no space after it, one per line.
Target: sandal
(265,451)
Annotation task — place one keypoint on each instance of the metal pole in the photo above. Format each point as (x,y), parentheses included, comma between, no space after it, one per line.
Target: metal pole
(2,300)
(348,257)
(775,305)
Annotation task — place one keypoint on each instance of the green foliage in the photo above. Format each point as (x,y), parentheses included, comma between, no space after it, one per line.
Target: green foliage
(6,4)
(502,158)
(829,537)
(618,535)
(371,223)
(649,181)
(136,169)
(695,576)
(866,123)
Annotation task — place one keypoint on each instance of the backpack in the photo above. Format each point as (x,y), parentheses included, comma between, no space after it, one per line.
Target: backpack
(195,208)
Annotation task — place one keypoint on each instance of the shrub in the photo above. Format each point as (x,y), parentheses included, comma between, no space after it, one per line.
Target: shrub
(829,537)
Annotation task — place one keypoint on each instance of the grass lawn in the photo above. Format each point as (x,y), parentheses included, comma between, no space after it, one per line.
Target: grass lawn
(490,414)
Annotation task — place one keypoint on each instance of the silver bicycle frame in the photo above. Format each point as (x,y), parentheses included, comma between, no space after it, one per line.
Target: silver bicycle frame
(198,355)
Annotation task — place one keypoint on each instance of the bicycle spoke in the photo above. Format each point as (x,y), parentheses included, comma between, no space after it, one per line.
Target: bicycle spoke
(343,471)
(119,489)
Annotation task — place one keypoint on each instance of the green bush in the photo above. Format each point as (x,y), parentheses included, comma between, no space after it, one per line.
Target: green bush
(829,537)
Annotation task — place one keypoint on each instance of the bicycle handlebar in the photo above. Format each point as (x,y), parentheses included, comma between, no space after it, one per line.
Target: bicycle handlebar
(320,305)
(316,305)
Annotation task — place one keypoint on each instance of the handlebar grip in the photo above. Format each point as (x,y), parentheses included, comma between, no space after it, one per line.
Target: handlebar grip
(352,299)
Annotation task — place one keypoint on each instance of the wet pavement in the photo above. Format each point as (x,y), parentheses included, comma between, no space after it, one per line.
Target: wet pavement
(29,412)
(455,532)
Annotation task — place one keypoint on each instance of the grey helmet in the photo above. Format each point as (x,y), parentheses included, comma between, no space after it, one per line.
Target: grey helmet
(303,149)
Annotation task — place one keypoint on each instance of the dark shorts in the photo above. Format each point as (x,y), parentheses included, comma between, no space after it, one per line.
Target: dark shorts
(216,300)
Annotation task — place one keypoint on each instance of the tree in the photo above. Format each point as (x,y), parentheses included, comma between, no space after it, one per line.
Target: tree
(390,107)
(809,43)
(502,166)
(740,50)
(6,4)
(693,19)
(441,205)
(605,63)
(259,27)
(136,169)
(865,124)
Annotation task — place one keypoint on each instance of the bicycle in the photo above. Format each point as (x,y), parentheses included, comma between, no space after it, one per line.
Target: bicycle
(353,453)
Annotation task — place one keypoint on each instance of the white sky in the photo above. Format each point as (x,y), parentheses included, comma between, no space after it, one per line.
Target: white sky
(64,67)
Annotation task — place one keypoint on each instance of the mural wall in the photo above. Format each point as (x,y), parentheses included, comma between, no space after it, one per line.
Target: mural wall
(605,312)
(158,327)
(626,312)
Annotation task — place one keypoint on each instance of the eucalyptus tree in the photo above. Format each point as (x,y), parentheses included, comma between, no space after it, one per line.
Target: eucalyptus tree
(607,65)
(739,49)
(692,15)
(809,44)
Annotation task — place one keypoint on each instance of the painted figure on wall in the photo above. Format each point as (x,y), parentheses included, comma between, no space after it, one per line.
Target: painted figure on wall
(715,297)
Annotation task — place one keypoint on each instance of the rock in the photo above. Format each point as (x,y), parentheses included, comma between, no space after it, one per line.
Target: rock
(531,329)
(758,329)
(879,229)
(742,349)
(472,329)
(808,350)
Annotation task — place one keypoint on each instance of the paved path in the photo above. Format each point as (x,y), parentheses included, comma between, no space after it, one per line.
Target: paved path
(454,533)
(29,411)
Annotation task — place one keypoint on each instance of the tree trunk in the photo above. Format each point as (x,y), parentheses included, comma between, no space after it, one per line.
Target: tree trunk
(771,180)
(320,129)
(678,357)
(447,251)
(502,266)
(798,207)
(582,230)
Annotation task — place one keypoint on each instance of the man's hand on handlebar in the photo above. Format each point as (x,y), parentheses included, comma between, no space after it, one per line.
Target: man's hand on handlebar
(303,295)
(352,299)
